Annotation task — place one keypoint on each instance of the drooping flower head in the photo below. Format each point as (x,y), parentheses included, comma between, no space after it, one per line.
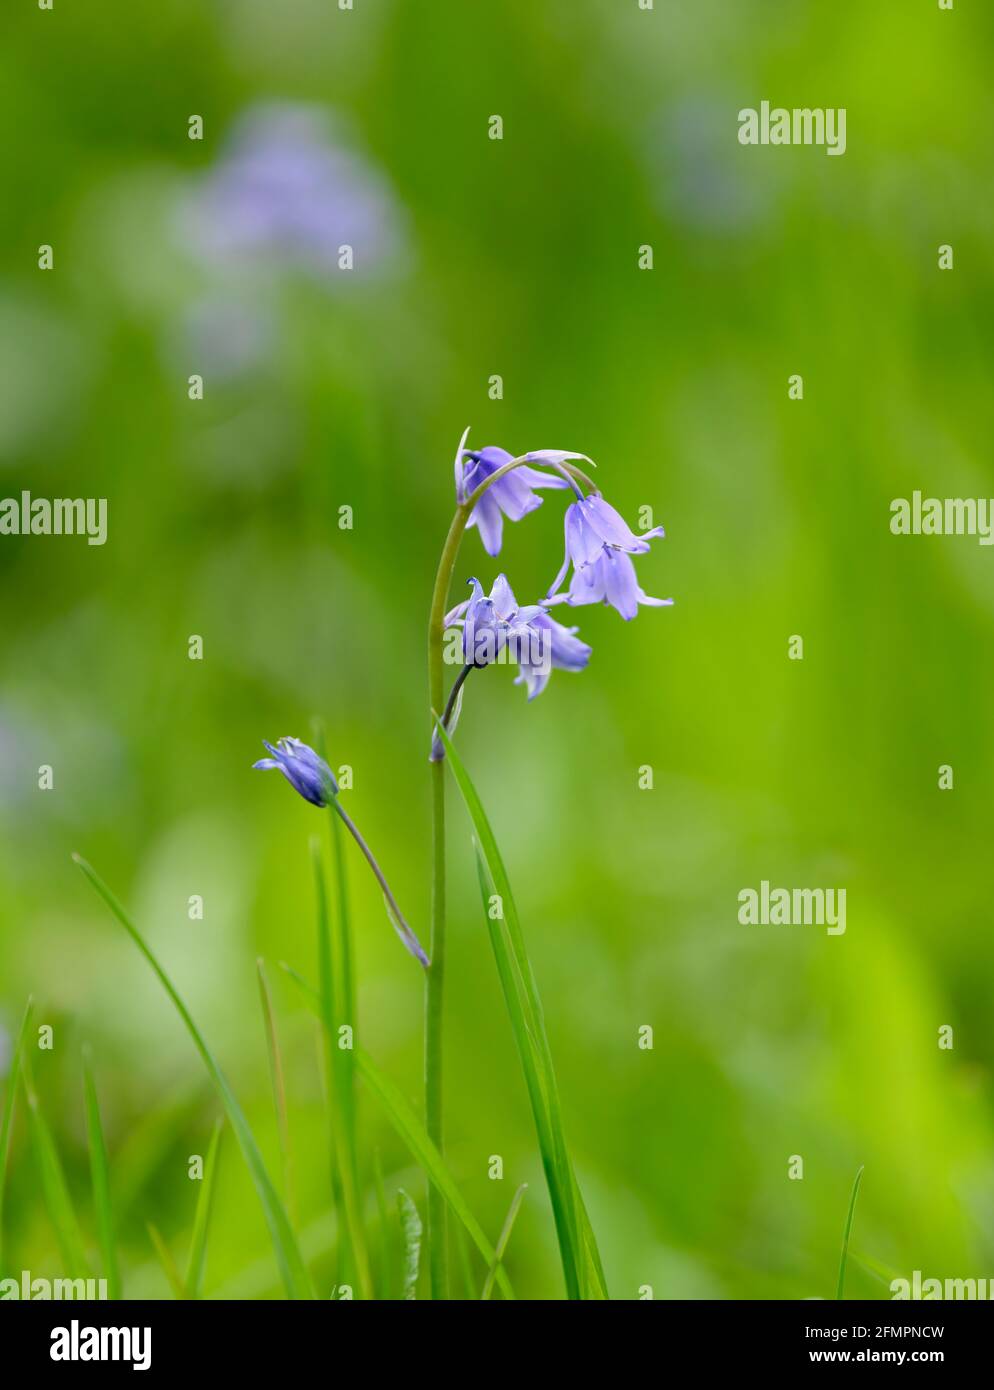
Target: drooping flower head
(599,544)
(311,776)
(303,769)
(494,624)
(512,496)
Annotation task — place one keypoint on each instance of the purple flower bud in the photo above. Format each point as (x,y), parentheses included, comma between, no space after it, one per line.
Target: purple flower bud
(303,769)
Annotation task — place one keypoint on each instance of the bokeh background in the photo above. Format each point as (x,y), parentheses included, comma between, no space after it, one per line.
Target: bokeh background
(327,388)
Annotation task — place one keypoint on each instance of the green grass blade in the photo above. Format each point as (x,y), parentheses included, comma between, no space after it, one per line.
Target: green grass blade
(412,1231)
(194,1281)
(881,1272)
(7,1120)
(53,1182)
(166,1260)
(412,1131)
(557,1175)
(505,1236)
(386,1263)
(309,992)
(100,1180)
(338,1061)
(578,1248)
(848,1232)
(464,1261)
(294,1274)
(279,1091)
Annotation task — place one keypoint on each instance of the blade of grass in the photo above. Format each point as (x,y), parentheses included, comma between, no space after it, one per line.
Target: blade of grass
(848,1232)
(578,1247)
(53,1181)
(339,1007)
(505,1236)
(881,1272)
(166,1261)
(341,1110)
(412,1231)
(386,1263)
(279,1091)
(194,1282)
(313,998)
(558,1180)
(413,1133)
(466,1276)
(295,1277)
(7,1122)
(100,1180)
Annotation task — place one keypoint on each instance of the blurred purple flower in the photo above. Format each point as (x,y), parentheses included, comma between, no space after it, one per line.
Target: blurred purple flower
(598,544)
(534,640)
(303,769)
(285,189)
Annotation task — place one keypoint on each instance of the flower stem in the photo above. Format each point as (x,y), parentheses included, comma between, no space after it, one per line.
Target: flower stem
(435,975)
(434,981)
(399,921)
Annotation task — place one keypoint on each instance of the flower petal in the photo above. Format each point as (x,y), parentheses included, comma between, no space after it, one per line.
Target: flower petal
(611,527)
(504,602)
(488,520)
(620,585)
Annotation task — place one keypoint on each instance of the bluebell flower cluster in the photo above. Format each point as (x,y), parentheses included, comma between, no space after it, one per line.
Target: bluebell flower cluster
(494,485)
(599,542)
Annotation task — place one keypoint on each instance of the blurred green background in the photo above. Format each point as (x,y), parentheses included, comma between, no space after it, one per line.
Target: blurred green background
(327,388)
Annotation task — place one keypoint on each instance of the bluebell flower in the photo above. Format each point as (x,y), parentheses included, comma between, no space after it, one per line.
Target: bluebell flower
(599,544)
(532,639)
(303,769)
(512,496)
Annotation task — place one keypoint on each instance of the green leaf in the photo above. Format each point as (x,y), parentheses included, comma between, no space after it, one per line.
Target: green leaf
(7,1121)
(194,1282)
(411,1229)
(411,1130)
(279,1088)
(53,1182)
(293,1272)
(505,1236)
(581,1263)
(100,1180)
(333,997)
(166,1261)
(848,1232)
(386,1263)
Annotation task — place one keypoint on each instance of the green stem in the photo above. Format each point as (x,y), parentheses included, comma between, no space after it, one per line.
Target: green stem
(435,974)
